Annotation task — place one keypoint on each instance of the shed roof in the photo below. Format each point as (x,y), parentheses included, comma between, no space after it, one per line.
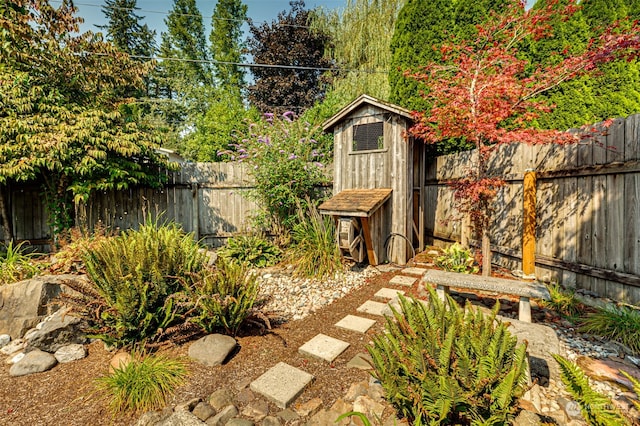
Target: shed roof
(365,99)
(355,202)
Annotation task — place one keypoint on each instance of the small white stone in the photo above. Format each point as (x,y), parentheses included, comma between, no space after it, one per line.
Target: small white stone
(70,353)
(13,347)
(31,332)
(4,340)
(15,358)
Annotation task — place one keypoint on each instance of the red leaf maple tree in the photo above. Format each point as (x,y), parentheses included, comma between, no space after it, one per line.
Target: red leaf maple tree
(485,92)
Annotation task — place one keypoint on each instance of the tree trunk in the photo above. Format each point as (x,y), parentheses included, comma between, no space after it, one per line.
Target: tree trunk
(7,231)
(486,252)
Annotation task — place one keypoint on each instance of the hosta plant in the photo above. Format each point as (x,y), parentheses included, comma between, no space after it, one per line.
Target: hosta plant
(456,258)
(441,364)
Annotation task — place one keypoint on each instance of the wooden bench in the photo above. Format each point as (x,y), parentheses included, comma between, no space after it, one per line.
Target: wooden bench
(525,290)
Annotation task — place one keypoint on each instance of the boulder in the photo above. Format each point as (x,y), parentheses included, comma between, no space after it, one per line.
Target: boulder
(70,353)
(213,349)
(542,342)
(35,361)
(119,361)
(24,304)
(608,370)
(58,330)
(4,340)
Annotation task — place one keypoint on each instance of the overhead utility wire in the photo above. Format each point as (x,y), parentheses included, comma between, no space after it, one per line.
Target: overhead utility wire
(177,14)
(241,64)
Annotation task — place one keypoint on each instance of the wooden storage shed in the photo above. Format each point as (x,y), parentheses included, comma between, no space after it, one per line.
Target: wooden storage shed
(372,153)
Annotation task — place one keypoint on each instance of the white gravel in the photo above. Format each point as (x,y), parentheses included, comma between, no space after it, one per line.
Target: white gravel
(295,298)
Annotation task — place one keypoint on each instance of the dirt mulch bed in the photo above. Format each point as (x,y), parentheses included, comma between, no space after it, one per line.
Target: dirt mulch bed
(66,394)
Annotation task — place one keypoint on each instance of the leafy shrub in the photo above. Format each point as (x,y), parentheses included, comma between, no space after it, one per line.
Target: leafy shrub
(314,251)
(440,364)
(68,258)
(255,250)
(287,159)
(140,278)
(563,301)
(619,323)
(456,258)
(596,408)
(225,297)
(142,384)
(16,264)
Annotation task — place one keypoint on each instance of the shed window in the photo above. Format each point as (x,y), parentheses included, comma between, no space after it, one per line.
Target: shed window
(367,137)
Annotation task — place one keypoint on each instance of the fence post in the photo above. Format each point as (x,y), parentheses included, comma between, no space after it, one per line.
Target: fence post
(195,219)
(529,223)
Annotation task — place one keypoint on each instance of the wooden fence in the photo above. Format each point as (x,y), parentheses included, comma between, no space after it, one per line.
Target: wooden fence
(588,208)
(208,199)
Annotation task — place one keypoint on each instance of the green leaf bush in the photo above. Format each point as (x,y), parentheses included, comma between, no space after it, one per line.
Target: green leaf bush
(142,384)
(256,250)
(441,364)
(456,258)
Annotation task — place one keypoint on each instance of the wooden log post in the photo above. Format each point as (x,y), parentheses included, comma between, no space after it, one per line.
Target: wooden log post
(529,224)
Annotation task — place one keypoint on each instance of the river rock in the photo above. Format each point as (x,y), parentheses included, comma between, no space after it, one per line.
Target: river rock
(35,361)
(212,350)
(4,340)
(70,353)
(59,329)
(181,418)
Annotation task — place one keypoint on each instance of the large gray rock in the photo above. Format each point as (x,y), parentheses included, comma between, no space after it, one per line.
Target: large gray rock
(542,342)
(60,329)
(181,418)
(35,361)
(24,304)
(212,350)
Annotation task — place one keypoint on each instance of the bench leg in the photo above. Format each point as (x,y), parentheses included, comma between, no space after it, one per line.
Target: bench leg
(524,313)
(442,292)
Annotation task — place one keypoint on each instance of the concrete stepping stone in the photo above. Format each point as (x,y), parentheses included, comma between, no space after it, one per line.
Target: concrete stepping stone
(354,323)
(323,347)
(403,280)
(361,362)
(414,271)
(388,293)
(281,384)
(374,308)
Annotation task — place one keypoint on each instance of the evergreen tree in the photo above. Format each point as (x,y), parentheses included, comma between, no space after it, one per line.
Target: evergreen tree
(185,42)
(123,28)
(470,13)
(290,42)
(226,43)
(420,29)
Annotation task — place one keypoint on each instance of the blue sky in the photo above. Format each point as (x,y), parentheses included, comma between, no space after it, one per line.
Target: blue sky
(155,11)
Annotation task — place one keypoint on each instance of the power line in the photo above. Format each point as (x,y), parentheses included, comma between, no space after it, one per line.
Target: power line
(242,64)
(178,14)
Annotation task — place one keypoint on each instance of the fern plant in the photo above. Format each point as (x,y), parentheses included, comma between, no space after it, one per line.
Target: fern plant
(256,250)
(456,258)
(441,364)
(636,387)
(141,278)
(596,408)
(226,297)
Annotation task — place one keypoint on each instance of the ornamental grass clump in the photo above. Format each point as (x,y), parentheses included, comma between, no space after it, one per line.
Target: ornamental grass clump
(142,384)
(619,323)
(441,364)
(16,264)
(314,252)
